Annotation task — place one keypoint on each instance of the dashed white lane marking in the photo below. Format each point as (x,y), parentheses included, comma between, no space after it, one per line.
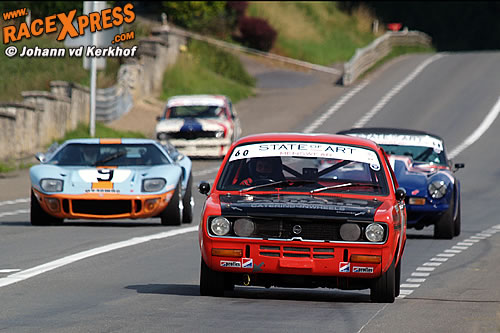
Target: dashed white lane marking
(439,259)
(425,269)
(13,202)
(15,212)
(387,97)
(315,124)
(31,272)
(433,263)
(490,118)
(9,270)
(413,280)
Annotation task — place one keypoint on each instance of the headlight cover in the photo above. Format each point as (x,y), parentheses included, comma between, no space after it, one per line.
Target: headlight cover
(374,232)
(350,232)
(219,134)
(437,189)
(244,227)
(153,184)
(220,226)
(162,136)
(51,185)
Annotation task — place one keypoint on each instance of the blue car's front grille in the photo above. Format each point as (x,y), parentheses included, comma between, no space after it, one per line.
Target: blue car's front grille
(101,207)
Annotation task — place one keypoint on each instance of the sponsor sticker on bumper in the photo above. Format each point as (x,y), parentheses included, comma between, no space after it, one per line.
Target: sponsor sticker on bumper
(344,267)
(225,263)
(362,269)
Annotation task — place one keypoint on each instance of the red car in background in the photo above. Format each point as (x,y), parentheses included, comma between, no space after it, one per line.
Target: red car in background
(303,210)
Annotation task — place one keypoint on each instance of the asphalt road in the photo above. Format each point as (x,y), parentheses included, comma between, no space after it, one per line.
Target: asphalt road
(129,276)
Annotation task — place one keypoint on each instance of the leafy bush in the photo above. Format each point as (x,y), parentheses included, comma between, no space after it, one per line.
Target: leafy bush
(238,7)
(194,15)
(257,33)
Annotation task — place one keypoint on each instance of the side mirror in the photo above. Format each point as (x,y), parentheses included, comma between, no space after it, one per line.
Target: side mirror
(204,187)
(40,157)
(400,194)
(459,166)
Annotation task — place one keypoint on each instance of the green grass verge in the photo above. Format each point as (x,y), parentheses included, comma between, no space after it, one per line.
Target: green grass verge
(205,69)
(396,52)
(317,32)
(35,73)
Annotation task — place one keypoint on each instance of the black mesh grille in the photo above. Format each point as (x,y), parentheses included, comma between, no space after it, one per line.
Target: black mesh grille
(102,207)
(191,135)
(284,228)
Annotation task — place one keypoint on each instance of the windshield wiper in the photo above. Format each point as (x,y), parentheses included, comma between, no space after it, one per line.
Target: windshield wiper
(281,182)
(110,158)
(321,189)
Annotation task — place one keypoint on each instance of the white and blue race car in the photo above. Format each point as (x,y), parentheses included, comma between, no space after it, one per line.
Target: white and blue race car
(199,125)
(111,179)
(422,168)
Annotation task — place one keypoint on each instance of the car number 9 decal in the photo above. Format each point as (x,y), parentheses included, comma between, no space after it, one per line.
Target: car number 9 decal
(104,175)
(106,172)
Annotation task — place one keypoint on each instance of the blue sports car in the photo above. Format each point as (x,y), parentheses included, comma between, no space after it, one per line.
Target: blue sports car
(111,179)
(421,167)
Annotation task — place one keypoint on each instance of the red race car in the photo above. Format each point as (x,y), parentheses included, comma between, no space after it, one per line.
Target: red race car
(303,210)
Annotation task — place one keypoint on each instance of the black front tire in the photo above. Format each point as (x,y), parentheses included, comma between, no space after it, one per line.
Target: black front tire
(187,214)
(212,283)
(383,289)
(445,226)
(397,284)
(172,215)
(458,221)
(38,216)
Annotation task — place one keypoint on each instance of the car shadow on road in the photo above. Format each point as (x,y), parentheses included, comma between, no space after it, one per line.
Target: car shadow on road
(114,224)
(313,295)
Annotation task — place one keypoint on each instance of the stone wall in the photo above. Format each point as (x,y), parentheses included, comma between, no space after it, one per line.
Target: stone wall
(29,126)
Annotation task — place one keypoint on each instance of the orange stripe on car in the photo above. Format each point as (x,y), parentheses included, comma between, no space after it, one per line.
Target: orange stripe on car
(110,141)
(102,185)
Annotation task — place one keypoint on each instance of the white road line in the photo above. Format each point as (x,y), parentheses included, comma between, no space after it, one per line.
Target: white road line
(425,269)
(416,274)
(490,118)
(15,212)
(415,280)
(433,264)
(387,97)
(9,270)
(405,292)
(448,255)
(455,247)
(465,244)
(31,272)
(452,251)
(478,237)
(472,240)
(410,285)
(13,202)
(439,259)
(315,124)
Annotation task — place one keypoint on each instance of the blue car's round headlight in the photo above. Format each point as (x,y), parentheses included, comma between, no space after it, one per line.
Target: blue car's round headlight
(437,189)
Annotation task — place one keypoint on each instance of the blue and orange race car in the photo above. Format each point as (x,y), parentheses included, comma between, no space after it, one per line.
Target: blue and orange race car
(422,168)
(303,210)
(111,179)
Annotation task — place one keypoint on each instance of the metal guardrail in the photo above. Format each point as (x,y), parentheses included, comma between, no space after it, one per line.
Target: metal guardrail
(325,69)
(367,56)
